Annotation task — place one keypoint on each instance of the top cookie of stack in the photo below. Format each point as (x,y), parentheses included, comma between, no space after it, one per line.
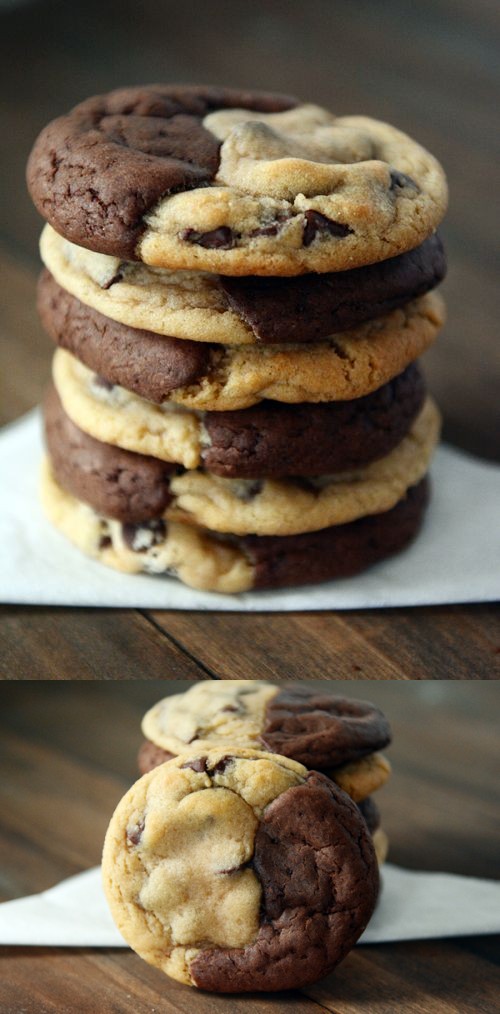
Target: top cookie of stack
(159,199)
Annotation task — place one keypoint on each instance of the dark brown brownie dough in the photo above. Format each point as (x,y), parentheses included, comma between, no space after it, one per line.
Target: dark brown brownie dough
(117,483)
(311,920)
(339,551)
(322,731)
(151,756)
(94,173)
(278,440)
(146,363)
(309,307)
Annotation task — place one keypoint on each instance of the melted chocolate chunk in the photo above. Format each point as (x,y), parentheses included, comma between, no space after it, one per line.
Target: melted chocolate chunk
(220,767)
(222,238)
(198,764)
(316,223)
(105,542)
(400,180)
(134,836)
(143,536)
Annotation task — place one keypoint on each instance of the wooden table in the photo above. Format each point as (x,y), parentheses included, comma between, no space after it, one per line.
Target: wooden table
(431,69)
(67,756)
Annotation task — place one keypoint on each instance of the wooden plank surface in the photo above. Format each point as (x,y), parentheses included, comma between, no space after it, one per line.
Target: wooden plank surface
(432,69)
(68,754)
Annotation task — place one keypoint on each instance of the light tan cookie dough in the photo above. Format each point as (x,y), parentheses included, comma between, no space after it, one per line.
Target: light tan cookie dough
(181,304)
(182,551)
(292,506)
(175,857)
(362,777)
(298,191)
(340,369)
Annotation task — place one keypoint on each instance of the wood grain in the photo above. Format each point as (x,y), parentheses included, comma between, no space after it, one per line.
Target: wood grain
(68,754)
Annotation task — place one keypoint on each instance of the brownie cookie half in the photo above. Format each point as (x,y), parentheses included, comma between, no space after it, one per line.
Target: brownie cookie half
(210,562)
(236,183)
(197,862)
(233,311)
(267,440)
(320,730)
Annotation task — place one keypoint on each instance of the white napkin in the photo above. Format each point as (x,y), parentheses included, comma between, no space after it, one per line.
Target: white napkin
(412,906)
(455,559)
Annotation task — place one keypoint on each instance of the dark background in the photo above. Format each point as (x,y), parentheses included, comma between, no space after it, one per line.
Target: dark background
(429,67)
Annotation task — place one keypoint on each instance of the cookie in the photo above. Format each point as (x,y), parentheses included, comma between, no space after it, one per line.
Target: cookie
(210,562)
(343,368)
(233,311)
(197,862)
(314,728)
(236,183)
(278,506)
(358,778)
(267,440)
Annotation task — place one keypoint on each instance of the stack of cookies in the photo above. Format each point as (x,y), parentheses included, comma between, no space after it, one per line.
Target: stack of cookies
(233,866)
(239,286)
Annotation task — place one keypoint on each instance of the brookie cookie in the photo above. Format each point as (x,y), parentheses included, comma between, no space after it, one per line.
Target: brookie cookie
(278,507)
(197,870)
(210,561)
(341,368)
(267,440)
(230,311)
(233,182)
(318,729)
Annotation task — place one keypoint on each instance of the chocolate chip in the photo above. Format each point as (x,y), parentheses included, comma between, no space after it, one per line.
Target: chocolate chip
(266,230)
(221,766)
(401,180)
(222,238)
(142,537)
(99,381)
(231,707)
(134,836)
(199,764)
(248,490)
(316,223)
(116,278)
(105,542)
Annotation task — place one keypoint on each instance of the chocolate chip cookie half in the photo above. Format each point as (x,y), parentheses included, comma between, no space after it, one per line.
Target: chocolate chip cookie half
(239,871)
